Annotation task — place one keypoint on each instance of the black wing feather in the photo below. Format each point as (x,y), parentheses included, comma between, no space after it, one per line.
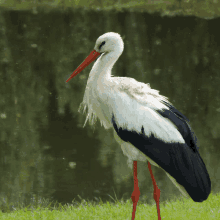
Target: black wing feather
(182,161)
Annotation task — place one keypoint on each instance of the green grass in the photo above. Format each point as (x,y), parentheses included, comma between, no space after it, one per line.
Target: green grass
(200,8)
(179,209)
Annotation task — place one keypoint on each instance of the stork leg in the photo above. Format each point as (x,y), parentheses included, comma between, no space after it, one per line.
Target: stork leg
(136,193)
(156,192)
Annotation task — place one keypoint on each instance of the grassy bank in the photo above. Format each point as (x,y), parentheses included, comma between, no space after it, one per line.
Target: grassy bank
(203,8)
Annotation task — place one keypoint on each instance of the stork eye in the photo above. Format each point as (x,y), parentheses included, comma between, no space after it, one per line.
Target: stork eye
(101,44)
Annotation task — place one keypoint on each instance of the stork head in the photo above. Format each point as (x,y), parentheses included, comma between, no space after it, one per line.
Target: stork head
(109,42)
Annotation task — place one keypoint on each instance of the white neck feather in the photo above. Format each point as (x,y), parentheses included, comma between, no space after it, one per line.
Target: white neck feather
(103,66)
(99,75)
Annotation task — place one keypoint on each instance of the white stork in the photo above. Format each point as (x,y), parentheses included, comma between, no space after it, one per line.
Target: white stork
(146,125)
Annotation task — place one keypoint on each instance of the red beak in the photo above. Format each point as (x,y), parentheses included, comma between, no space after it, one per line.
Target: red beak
(92,56)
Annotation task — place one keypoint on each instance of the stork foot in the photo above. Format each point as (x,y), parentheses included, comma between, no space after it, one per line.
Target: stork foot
(156,192)
(135,197)
(136,193)
(157,200)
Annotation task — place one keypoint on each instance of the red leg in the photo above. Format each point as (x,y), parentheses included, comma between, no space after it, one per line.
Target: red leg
(156,192)
(136,193)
